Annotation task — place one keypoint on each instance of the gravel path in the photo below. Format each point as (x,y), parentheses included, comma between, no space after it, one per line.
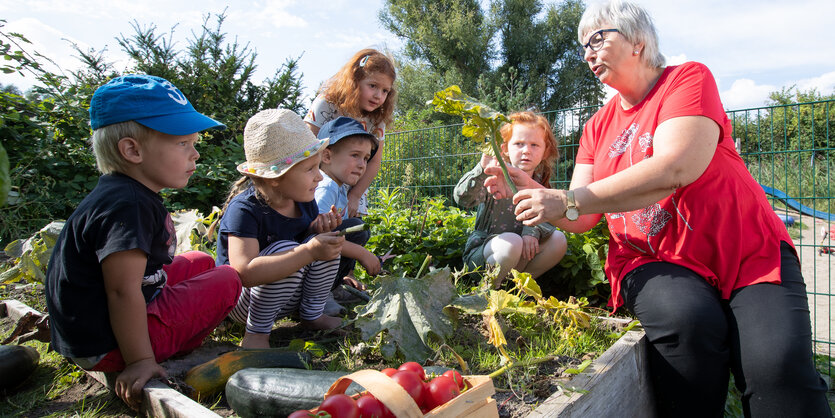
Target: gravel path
(818,272)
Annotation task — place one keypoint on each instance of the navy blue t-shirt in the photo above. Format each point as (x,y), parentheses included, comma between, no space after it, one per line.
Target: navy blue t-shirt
(250,217)
(120,214)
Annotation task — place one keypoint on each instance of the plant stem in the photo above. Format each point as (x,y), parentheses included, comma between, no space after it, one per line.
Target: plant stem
(423,266)
(530,362)
(496,150)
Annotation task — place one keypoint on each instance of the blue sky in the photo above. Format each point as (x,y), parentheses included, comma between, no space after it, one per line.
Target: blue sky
(752,47)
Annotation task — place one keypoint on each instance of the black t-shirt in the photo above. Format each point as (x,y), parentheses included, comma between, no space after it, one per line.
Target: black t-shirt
(249,217)
(120,214)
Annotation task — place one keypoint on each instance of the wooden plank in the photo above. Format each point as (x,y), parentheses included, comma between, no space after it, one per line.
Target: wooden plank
(615,384)
(15,309)
(159,400)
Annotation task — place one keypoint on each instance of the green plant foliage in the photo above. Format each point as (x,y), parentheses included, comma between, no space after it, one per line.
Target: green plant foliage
(409,311)
(31,256)
(413,229)
(481,123)
(5,181)
(580,272)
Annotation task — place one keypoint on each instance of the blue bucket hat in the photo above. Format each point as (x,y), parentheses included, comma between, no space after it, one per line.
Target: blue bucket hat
(342,127)
(150,101)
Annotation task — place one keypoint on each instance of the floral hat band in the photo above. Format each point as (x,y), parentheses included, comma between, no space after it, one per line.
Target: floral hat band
(274,141)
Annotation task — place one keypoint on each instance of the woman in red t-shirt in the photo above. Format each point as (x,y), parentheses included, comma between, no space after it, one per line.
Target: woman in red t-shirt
(695,250)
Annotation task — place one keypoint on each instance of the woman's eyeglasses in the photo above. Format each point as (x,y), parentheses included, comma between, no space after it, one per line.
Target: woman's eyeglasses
(595,42)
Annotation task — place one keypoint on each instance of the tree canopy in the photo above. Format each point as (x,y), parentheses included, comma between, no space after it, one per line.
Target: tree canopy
(513,54)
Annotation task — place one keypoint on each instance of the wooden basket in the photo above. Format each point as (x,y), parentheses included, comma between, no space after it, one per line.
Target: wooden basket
(476,402)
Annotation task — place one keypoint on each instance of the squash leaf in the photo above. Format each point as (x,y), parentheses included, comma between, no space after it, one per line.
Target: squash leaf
(410,311)
(31,255)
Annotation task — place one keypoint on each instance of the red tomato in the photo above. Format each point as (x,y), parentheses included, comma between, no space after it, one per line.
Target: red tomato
(371,407)
(301,413)
(411,383)
(441,390)
(388,371)
(415,368)
(456,377)
(340,405)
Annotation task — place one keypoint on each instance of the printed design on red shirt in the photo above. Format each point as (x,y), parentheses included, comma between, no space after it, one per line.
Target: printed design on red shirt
(622,142)
(651,221)
(619,235)
(645,141)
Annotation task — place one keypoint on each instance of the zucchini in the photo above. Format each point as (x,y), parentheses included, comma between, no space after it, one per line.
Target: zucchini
(279,392)
(17,362)
(209,378)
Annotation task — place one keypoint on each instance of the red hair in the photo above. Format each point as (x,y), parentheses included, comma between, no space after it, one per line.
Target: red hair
(549,157)
(343,88)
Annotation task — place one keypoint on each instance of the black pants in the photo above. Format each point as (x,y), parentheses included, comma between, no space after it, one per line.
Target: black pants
(762,334)
(346,265)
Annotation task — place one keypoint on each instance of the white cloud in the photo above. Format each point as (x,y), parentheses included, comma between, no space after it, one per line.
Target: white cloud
(676,59)
(824,84)
(745,93)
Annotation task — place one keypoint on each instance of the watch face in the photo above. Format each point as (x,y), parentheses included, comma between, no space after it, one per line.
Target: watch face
(572,214)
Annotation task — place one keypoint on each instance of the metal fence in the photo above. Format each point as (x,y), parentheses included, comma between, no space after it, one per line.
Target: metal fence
(787,148)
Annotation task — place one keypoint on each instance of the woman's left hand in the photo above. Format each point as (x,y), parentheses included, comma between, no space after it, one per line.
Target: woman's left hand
(535,206)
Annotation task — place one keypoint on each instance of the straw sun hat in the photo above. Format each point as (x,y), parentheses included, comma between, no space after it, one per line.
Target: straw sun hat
(274,141)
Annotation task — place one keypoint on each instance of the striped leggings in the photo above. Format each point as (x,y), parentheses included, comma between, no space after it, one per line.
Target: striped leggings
(304,291)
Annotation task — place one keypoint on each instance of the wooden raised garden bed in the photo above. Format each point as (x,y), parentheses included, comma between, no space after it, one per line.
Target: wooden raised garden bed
(615,384)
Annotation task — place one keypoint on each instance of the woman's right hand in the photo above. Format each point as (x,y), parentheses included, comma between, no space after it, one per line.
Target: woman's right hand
(535,206)
(497,186)
(325,246)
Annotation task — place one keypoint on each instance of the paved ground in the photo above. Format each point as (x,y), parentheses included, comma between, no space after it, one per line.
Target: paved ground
(819,273)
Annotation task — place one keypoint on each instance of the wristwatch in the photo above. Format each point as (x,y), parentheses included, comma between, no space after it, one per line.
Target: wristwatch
(571,212)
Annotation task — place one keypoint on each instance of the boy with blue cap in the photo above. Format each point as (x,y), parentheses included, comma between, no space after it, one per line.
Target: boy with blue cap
(344,161)
(118,298)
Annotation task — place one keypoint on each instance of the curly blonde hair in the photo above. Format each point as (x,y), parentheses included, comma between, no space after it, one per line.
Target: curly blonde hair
(343,88)
(546,166)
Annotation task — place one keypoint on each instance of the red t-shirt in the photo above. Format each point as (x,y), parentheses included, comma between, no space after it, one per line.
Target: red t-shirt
(721,226)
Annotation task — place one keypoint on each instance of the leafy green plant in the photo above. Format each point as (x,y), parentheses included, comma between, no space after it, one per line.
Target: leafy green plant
(409,312)
(31,256)
(580,272)
(524,298)
(481,123)
(411,228)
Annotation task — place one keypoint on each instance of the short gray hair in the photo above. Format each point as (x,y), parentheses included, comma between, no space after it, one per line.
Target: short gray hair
(631,20)
(105,143)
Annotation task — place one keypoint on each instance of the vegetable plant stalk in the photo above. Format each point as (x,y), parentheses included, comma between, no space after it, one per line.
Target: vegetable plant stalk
(481,123)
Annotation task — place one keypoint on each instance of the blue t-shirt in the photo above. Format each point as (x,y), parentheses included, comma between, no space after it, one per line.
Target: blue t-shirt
(330,193)
(250,217)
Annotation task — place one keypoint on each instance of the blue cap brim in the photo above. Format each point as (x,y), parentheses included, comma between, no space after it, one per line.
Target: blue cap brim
(185,123)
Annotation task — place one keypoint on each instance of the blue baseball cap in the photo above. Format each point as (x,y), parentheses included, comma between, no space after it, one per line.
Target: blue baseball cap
(342,127)
(150,101)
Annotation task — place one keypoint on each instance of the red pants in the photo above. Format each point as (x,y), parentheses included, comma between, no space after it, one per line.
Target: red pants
(195,299)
